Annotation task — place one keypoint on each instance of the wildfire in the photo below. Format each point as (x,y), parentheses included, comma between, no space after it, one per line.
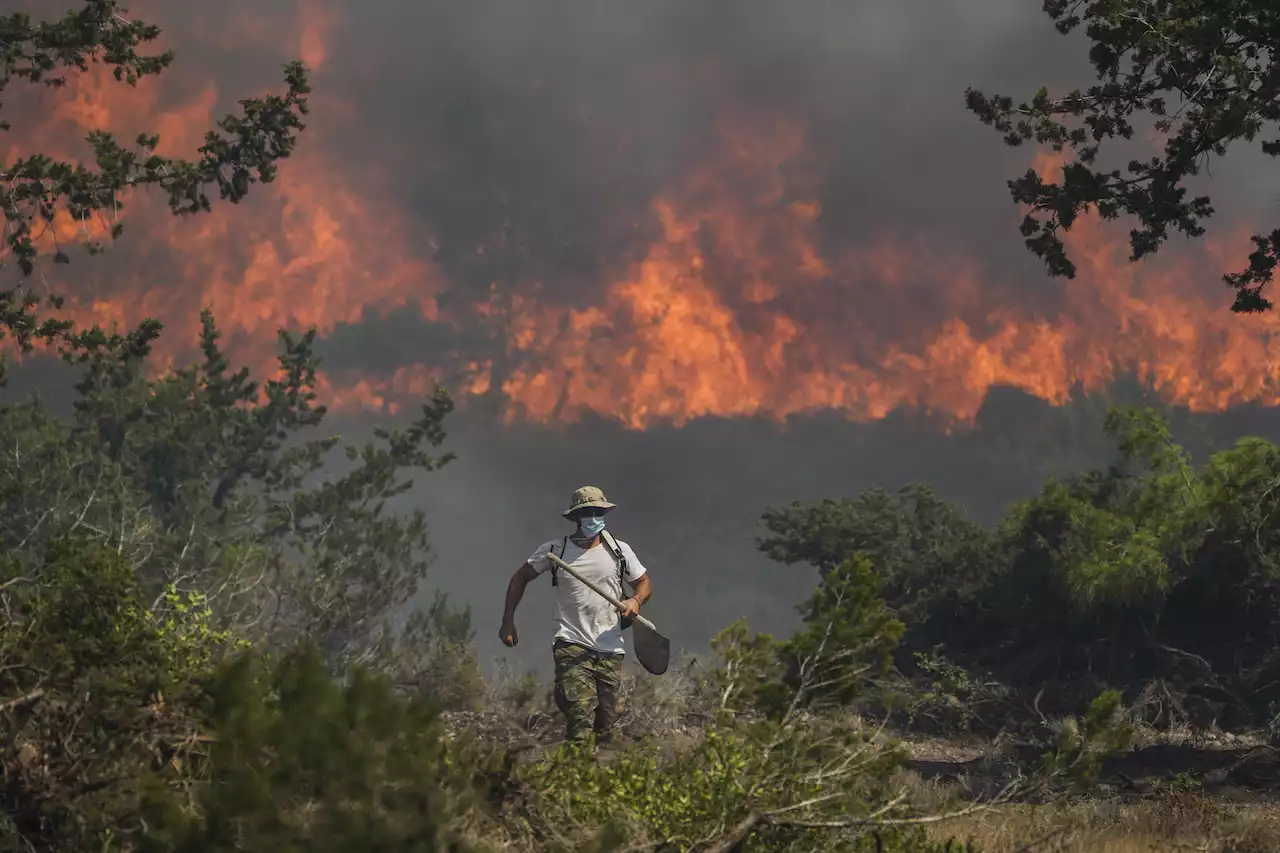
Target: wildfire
(304,251)
(779,330)
(739,307)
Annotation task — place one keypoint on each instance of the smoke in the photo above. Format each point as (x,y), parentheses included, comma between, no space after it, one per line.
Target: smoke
(690,499)
(539,136)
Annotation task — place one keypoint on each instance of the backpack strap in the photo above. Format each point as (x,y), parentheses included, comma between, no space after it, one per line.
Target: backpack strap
(554,568)
(611,545)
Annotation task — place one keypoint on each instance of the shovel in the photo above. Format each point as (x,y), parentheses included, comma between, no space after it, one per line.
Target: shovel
(652,649)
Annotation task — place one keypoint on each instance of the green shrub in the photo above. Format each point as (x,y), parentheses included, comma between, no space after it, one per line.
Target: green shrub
(849,636)
(782,788)
(1145,571)
(97,691)
(301,762)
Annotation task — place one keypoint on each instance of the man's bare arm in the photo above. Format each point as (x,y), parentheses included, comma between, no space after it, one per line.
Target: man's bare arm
(643,589)
(515,591)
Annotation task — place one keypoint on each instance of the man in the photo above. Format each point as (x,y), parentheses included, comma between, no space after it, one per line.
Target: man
(588,647)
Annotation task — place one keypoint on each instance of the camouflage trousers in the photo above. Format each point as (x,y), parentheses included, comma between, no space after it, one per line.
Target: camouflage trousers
(586,691)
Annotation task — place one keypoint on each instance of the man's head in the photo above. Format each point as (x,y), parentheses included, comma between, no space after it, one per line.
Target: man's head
(587,509)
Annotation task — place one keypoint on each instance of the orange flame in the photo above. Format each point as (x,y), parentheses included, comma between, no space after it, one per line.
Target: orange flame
(670,342)
(304,251)
(737,308)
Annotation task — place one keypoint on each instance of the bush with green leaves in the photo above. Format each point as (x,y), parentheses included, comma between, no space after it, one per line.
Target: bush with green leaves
(300,761)
(96,691)
(431,655)
(847,639)
(1081,745)
(1147,570)
(749,674)
(946,698)
(927,554)
(180,517)
(127,729)
(763,786)
(207,483)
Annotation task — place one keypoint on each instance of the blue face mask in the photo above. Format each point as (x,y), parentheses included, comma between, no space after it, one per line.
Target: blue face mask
(591,525)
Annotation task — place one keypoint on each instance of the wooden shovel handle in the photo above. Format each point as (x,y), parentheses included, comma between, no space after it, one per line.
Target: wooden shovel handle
(600,591)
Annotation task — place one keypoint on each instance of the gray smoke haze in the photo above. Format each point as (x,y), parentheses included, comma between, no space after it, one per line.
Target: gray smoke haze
(525,142)
(691,499)
(559,123)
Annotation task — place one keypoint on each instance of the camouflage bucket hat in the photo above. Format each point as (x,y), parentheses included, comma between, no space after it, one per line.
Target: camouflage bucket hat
(585,497)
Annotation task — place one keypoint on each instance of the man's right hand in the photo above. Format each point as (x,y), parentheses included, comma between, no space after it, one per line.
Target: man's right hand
(507,633)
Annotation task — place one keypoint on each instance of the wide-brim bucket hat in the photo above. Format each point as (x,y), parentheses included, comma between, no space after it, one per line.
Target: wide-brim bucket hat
(587,496)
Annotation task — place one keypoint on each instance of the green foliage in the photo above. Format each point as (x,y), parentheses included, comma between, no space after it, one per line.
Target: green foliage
(172,518)
(1100,557)
(946,696)
(38,187)
(82,615)
(1182,782)
(749,669)
(300,762)
(207,483)
(1131,514)
(1237,494)
(849,636)
(1081,746)
(1217,57)
(187,630)
(95,688)
(771,787)
(1149,570)
(925,550)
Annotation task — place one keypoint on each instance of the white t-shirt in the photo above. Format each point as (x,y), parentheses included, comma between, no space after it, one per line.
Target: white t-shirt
(582,616)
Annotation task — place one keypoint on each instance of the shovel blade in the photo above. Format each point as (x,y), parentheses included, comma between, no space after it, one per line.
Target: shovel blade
(652,649)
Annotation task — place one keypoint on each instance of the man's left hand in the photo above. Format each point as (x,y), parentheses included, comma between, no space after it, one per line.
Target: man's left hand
(630,608)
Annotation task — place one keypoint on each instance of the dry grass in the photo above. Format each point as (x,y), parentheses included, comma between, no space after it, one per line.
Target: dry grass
(1217,818)
(1189,822)
(1172,821)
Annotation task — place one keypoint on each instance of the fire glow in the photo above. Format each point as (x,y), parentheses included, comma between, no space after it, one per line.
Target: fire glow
(734,309)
